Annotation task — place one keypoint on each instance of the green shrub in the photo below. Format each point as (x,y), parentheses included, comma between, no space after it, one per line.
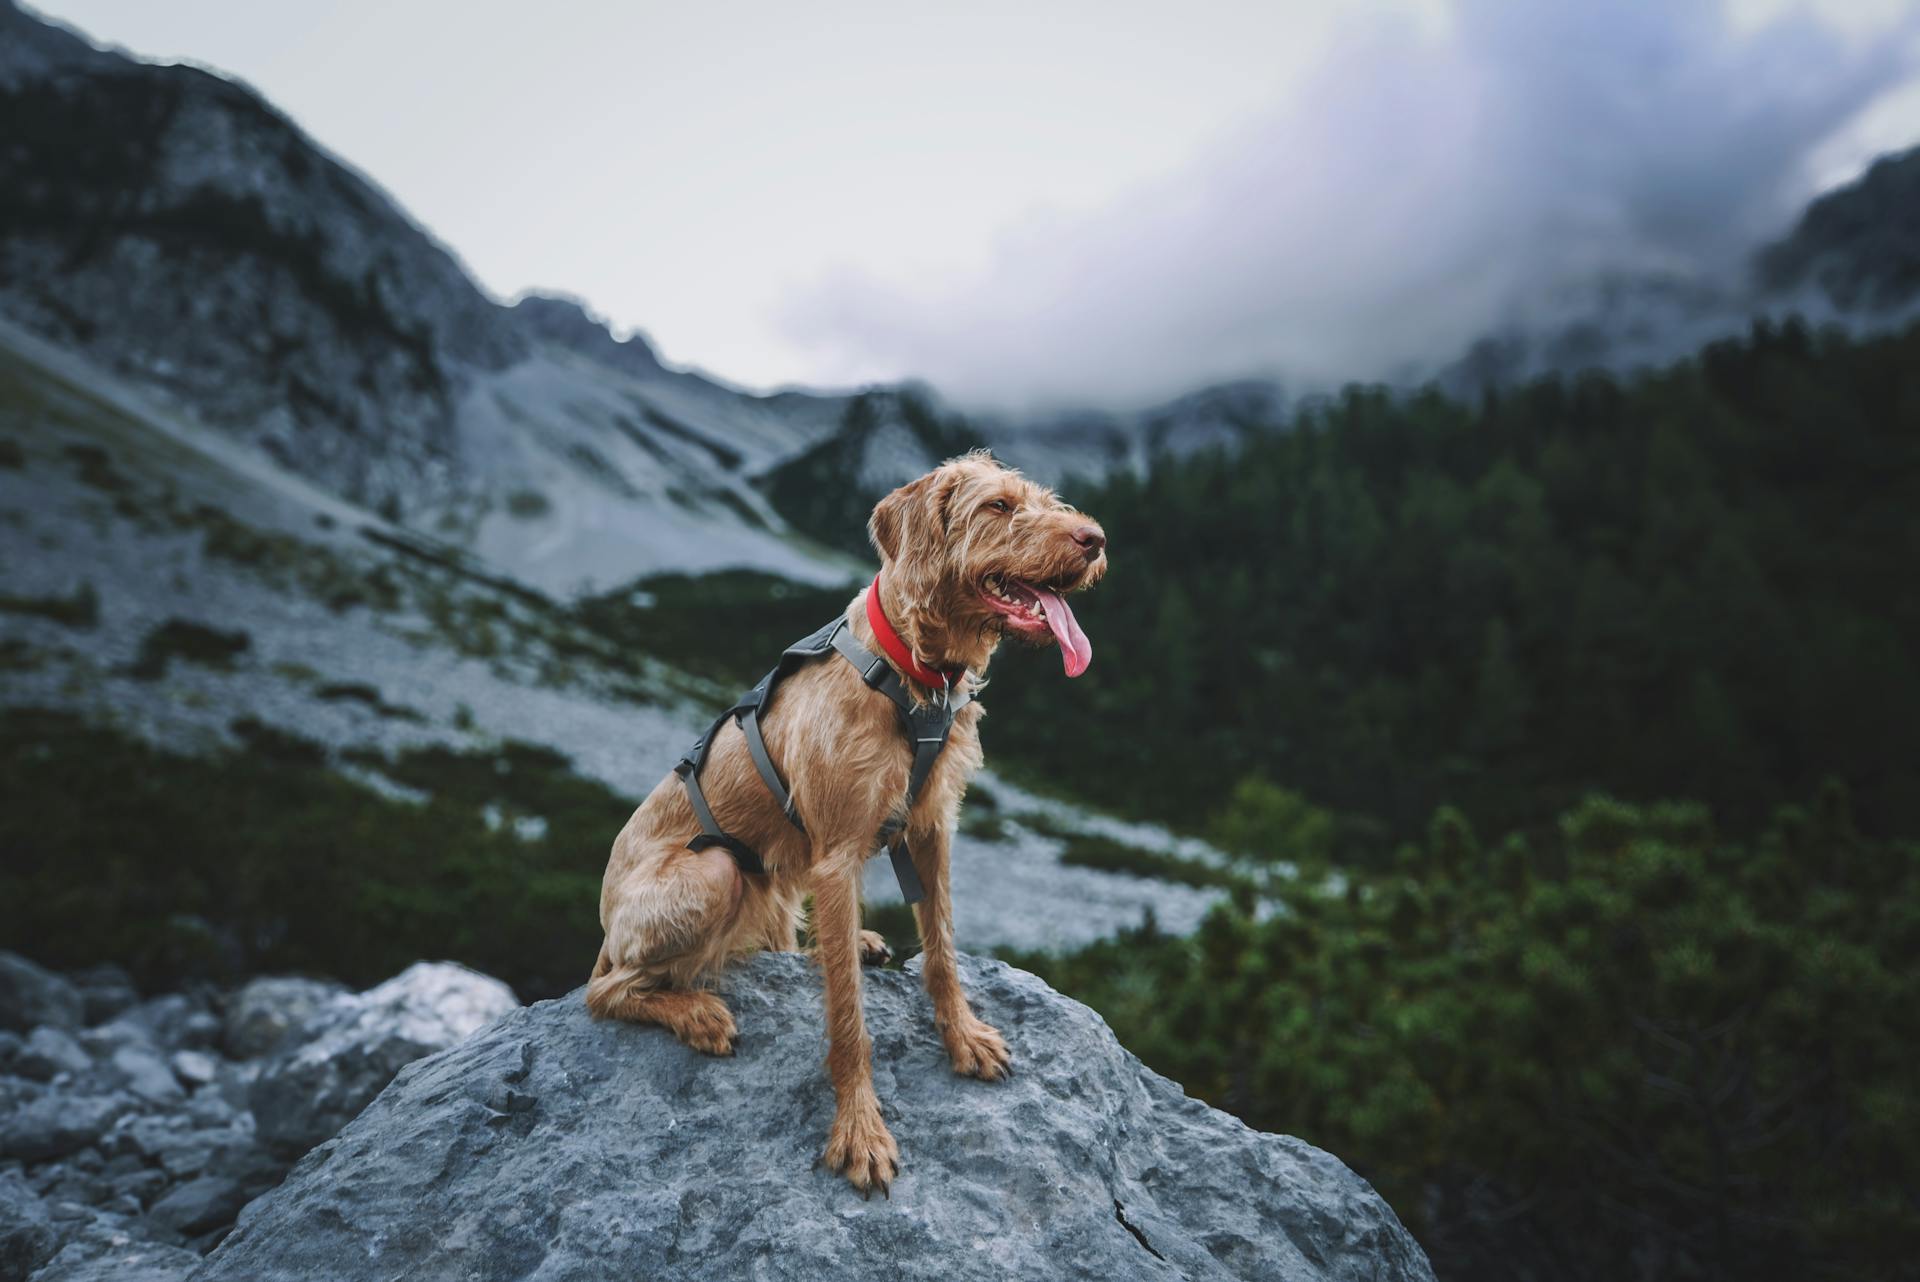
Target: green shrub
(193,642)
(80,610)
(262,859)
(1645,1040)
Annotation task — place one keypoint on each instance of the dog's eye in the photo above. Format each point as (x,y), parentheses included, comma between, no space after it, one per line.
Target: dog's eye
(1001,505)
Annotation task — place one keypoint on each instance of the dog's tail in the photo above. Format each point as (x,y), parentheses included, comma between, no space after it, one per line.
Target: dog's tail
(608,988)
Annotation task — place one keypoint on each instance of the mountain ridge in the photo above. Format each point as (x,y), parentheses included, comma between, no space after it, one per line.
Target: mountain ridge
(172,226)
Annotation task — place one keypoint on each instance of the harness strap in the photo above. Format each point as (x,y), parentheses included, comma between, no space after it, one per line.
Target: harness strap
(927,724)
(763,762)
(710,835)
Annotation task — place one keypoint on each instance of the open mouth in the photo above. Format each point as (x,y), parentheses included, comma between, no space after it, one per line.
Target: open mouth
(1033,610)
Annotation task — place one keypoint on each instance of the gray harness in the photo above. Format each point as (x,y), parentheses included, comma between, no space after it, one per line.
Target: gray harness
(927,726)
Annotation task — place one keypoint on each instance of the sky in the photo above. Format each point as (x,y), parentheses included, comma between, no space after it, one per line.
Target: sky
(1066,202)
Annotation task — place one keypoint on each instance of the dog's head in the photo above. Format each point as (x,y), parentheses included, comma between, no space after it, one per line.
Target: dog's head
(973,551)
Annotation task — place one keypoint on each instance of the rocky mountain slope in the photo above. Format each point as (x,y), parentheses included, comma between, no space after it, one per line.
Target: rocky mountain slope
(1859,246)
(159,581)
(174,229)
(552,1146)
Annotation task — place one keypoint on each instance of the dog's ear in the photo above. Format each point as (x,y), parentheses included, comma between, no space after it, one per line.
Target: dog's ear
(905,517)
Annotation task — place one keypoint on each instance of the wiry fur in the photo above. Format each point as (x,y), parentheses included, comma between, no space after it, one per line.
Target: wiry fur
(674,916)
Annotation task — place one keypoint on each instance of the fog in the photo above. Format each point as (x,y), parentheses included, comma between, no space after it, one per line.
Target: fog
(1417,188)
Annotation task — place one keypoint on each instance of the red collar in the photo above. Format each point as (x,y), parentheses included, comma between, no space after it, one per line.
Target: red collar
(897,650)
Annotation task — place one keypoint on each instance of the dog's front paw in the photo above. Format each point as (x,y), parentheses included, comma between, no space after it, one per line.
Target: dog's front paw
(873,949)
(706,1025)
(861,1148)
(978,1050)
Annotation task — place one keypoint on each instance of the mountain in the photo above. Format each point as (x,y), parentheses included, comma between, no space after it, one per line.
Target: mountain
(174,229)
(1858,246)
(1853,259)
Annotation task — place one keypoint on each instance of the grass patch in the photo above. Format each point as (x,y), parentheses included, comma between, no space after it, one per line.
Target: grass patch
(17,656)
(982,823)
(739,507)
(361,693)
(298,867)
(1087,850)
(283,747)
(728,627)
(96,468)
(720,452)
(528,505)
(897,925)
(80,610)
(193,642)
(1112,856)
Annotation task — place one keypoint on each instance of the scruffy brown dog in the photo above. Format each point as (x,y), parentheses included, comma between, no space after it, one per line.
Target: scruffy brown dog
(970,553)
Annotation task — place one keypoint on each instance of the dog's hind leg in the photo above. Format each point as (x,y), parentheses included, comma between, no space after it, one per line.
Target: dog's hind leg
(669,922)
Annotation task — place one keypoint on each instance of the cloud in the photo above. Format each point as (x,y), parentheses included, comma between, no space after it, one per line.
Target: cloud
(1419,188)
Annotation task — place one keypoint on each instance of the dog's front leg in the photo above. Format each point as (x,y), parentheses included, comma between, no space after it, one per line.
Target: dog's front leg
(859,1145)
(975,1046)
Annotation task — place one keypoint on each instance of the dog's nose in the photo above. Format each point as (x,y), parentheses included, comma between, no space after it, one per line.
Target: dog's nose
(1090,540)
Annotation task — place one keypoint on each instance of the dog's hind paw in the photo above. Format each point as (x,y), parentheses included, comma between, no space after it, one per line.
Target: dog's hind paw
(861,1148)
(873,949)
(977,1050)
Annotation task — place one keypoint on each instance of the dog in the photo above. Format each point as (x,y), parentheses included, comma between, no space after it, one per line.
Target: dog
(971,553)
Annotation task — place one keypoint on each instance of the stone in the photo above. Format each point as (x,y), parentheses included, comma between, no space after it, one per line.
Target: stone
(199,1205)
(109,1253)
(143,1186)
(49,1052)
(146,1074)
(194,1068)
(58,1123)
(31,995)
(327,1072)
(10,1044)
(266,1010)
(103,1040)
(27,1238)
(555,1146)
(177,1020)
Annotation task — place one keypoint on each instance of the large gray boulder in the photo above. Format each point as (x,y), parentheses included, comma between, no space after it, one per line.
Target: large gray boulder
(327,1071)
(555,1147)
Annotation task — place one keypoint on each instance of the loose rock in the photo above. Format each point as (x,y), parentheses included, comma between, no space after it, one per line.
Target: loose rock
(31,995)
(112,1254)
(195,1068)
(266,1010)
(58,1123)
(49,1052)
(199,1205)
(146,1074)
(347,1053)
(26,1231)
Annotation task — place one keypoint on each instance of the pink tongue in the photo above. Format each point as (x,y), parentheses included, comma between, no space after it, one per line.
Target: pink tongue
(1076,652)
